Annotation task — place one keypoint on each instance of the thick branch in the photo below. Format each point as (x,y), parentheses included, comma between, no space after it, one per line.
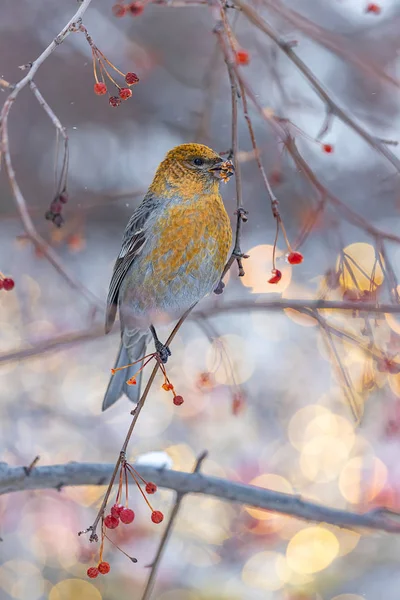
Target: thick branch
(14,479)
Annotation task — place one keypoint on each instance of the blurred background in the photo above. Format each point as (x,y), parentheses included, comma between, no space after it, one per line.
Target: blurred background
(269,394)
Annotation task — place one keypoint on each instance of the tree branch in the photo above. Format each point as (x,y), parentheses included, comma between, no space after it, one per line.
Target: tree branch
(13,479)
(332,107)
(5,152)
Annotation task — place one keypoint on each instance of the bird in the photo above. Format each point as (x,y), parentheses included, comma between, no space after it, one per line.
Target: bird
(173,253)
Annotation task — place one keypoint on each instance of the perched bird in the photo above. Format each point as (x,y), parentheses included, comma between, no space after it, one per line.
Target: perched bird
(173,252)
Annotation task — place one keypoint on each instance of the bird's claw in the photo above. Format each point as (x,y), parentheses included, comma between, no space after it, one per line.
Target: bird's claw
(220,288)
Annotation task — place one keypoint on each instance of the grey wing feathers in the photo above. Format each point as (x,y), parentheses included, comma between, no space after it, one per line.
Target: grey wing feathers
(133,241)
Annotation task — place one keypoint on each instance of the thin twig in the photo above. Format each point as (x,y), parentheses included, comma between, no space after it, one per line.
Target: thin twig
(167,533)
(5,152)
(135,414)
(255,18)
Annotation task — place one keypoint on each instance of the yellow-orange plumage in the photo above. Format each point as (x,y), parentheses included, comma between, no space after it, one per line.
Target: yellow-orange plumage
(174,249)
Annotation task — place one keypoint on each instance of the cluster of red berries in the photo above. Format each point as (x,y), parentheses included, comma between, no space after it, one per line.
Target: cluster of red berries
(293,258)
(133,8)
(124,93)
(54,213)
(6,283)
(101,72)
(242,57)
(103,568)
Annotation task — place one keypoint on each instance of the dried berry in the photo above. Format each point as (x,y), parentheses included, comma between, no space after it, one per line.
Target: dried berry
(92,572)
(116,510)
(373,8)
(167,386)
(104,568)
(242,57)
(131,78)
(114,101)
(178,400)
(125,93)
(295,258)
(111,522)
(100,89)
(135,9)
(157,516)
(328,148)
(119,10)
(127,515)
(276,276)
(151,487)
(8,284)
(63,197)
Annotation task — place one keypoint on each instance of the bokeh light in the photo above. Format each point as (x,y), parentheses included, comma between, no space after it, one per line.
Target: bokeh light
(311,550)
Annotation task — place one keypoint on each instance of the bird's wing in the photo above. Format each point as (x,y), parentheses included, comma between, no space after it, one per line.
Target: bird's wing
(132,243)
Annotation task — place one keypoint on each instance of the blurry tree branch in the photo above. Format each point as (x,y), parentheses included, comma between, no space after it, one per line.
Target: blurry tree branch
(94,333)
(334,42)
(5,152)
(332,107)
(13,479)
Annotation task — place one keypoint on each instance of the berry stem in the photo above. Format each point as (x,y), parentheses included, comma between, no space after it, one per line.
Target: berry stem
(141,491)
(120,549)
(95,66)
(274,248)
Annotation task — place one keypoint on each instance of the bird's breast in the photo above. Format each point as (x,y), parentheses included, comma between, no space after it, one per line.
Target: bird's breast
(185,255)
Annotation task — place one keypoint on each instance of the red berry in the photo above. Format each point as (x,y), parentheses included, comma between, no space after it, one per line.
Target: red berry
(100,89)
(178,400)
(295,258)
(63,198)
(119,10)
(131,78)
(116,510)
(114,101)
(92,572)
(111,522)
(151,488)
(135,9)
(104,568)
(157,516)
(277,276)
(8,284)
(242,57)
(373,8)
(127,515)
(125,93)
(328,148)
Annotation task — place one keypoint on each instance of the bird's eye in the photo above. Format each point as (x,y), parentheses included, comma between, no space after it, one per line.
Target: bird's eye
(198,162)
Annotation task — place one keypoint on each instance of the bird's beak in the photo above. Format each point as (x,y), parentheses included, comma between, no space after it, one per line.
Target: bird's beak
(223,170)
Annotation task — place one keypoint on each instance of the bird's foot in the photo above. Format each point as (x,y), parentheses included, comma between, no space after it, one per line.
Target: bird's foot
(163,351)
(220,288)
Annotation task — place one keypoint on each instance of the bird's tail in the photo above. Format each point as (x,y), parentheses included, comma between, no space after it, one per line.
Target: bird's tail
(117,385)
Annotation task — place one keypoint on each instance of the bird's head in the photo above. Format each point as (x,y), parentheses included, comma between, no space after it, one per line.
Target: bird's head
(193,166)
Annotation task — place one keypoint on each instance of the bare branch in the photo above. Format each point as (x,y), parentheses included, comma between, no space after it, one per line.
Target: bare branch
(167,533)
(13,479)
(331,105)
(29,227)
